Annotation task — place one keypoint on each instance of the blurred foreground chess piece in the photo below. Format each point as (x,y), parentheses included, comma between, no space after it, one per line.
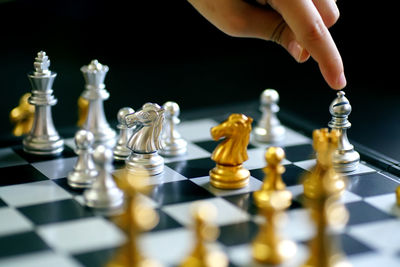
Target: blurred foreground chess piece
(22,116)
(145,140)
(137,217)
(345,158)
(272,199)
(43,138)
(269,128)
(84,172)
(398,196)
(83,107)
(230,154)
(95,93)
(121,151)
(205,231)
(172,144)
(104,193)
(322,190)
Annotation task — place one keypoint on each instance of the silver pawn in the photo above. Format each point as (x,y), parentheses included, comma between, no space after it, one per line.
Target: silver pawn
(95,93)
(104,193)
(43,139)
(345,158)
(121,151)
(172,144)
(269,128)
(84,172)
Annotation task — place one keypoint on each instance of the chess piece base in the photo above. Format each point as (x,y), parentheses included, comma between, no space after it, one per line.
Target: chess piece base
(273,254)
(145,164)
(346,160)
(104,199)
(229,177)
(177,148)
(274,135)
(81,179)
(52,145)
(121,153)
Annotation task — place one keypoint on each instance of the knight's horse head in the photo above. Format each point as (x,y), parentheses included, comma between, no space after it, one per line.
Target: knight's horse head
(151,117)
(235,125)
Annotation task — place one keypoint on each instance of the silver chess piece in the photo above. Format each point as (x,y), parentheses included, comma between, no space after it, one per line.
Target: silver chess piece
(144,143)
(121,151)
(43,139)
(172,144)
(269,128)
(104,193)
(84,172)
(345,158)
(95,93)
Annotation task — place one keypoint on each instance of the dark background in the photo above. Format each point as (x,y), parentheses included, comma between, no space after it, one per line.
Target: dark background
(164,50)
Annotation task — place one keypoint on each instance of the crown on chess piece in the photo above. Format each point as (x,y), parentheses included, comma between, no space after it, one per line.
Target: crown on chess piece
(94,74)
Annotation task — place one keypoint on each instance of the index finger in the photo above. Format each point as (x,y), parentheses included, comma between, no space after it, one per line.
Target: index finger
(306,23)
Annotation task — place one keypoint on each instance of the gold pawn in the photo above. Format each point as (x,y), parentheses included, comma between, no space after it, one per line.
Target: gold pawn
(137,218)
(322,189)
(272,199)
(230,154)
(22,116)
(83,109)
(205,231)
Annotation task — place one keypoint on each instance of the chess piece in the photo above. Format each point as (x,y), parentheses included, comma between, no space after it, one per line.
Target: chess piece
(273,176)
(22,116)
(83,108)
(272,199)
(121,151)
(84,172)
(137,218)
(269,128)
(144,143)
(230,154)
(345,159)
(205,231)
(172,144)
(95,93)
(322,189)
(43,139)
(398,196)
(104,193)
(324,144)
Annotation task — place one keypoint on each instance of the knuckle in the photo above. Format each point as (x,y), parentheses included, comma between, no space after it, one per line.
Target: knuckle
(316,32)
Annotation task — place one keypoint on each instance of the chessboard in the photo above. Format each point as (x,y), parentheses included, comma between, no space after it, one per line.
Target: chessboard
(44,222)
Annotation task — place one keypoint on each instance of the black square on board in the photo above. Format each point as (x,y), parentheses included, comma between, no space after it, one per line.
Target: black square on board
(193,168)
(299,152)
(20,174)
(362,212)
(238,233)
(63,182)
(178,192)
(292,175)
(165,222)
(31,158)
(22,243)
(96,258)
(352,246)
(210,145)
(371,184)
(56,211)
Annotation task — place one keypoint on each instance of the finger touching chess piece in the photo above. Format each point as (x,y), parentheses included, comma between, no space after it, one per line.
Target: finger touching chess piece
(22,116)
(230,154)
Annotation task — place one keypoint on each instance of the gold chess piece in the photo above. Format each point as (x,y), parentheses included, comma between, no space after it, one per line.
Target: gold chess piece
(273,176)
(398,195)
(272,199)
(230,154)
(22,116)
(205,231)
(322,189)
(83,108)
(324,144)
(137,218)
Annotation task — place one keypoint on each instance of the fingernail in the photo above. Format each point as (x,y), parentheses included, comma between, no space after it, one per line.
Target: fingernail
(341,81)
(295,50)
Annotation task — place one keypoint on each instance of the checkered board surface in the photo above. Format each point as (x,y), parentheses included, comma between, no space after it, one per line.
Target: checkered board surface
(43,221)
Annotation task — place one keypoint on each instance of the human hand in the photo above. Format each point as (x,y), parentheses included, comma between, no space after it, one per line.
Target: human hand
(300,26)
